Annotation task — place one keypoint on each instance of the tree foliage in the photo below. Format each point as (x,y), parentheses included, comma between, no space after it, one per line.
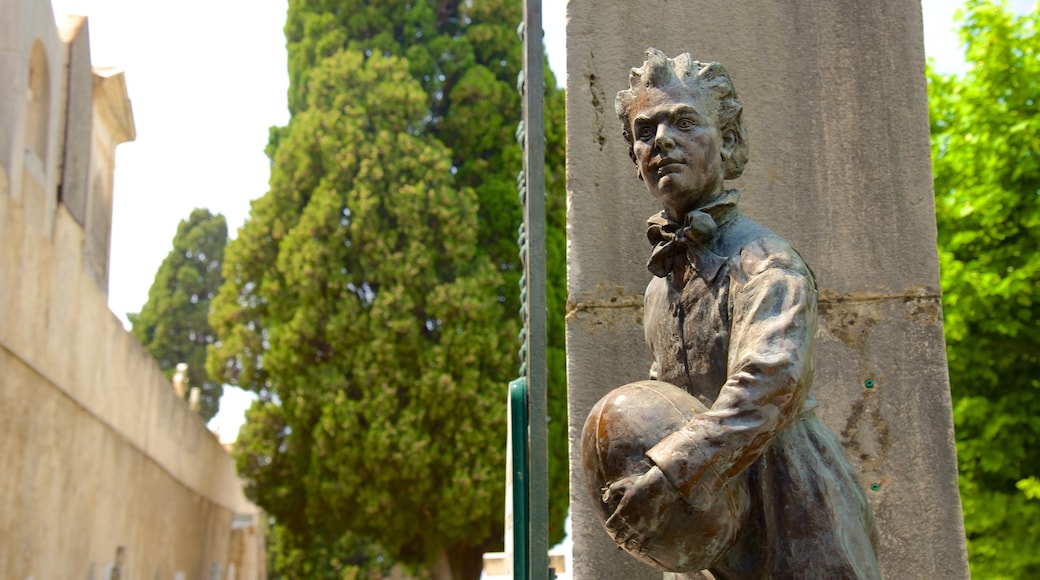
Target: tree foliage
(344,558)
(986,155)
(371,299)
(173,325)
(556,303)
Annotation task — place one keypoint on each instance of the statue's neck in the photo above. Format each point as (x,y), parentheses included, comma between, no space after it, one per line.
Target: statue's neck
(718,205)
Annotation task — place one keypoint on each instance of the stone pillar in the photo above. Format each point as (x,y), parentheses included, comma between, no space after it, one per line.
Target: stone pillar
(113,124)
(836,110)
(79,107)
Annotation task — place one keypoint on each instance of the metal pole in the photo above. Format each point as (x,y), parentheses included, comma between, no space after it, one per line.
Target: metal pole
(534,219)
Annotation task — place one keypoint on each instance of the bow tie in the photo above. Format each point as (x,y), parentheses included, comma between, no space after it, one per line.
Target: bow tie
(693,236)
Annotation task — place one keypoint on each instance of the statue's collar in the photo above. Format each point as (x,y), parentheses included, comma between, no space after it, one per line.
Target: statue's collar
(722,209)
(693,235)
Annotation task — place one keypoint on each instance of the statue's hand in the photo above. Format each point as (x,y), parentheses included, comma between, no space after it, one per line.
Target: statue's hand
(642,504)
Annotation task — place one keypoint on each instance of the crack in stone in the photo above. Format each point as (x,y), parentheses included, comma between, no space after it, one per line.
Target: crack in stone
(598,100)
(621,301)
(830,297)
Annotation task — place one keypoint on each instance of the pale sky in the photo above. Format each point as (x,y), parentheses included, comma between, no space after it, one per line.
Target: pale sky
(207,79)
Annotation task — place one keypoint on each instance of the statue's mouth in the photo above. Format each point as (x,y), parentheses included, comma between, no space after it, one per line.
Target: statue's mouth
(668,165)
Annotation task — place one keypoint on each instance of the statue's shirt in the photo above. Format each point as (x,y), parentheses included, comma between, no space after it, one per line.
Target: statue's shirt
(733,321)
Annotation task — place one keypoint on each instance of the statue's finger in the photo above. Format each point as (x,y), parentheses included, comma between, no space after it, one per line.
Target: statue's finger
(616,527)
(614,492)
(622,534)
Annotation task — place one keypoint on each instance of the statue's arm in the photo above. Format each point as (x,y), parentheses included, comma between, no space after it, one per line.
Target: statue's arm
(769,374)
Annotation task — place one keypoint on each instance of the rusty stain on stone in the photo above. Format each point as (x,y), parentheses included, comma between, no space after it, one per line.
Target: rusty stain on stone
(850,317)
(598,98)
(916,291)
(604,296)
(850,323)
(866,435)
(924,310)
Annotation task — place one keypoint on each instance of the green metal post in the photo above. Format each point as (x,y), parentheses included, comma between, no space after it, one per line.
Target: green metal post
(534,220)
(518,440)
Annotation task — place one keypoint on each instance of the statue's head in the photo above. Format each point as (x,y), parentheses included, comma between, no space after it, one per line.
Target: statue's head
(684,79)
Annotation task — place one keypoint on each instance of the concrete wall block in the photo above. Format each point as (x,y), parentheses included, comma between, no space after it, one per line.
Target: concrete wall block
(31,276)
(75,183)
(38,26)
(882,385)
(13,216)
(62,326)
(11,100)
(24,23)
(75,487)
(606,349)
(11,9)
(813,80)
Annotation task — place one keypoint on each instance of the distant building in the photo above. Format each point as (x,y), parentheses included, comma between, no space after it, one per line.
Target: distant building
(106,473)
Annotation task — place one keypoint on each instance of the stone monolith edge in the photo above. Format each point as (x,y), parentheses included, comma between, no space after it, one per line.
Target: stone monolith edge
(836,109)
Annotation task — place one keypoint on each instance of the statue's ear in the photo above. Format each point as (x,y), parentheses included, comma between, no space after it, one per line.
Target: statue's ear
(733,151)
(729,143)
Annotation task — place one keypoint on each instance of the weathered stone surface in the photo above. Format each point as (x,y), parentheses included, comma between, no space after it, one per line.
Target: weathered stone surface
(881,388)
(835,106)
(102,463)
(605,343)
(75,172)
(818,84)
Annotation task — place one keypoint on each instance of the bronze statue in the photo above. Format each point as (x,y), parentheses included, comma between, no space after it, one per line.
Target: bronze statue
(730,318)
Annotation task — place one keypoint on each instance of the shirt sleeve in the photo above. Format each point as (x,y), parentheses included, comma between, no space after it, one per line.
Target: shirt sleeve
(769,372)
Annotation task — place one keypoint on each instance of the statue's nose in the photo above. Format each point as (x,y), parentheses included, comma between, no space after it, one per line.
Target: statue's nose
(664,140)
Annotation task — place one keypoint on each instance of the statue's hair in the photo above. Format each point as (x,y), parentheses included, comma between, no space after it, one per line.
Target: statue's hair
(684,73)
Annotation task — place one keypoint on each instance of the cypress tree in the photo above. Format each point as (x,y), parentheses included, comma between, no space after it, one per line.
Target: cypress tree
(173,324)
(371,297)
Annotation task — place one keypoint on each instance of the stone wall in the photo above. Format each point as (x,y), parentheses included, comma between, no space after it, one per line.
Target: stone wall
(103,465)
(836,110)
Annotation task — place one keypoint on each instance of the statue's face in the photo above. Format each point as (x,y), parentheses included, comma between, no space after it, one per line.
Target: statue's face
(678,147)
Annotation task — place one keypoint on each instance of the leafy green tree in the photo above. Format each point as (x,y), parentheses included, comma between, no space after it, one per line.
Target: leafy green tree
(383,337)
(371,298)
(345,558)
(173,325)
(986,155)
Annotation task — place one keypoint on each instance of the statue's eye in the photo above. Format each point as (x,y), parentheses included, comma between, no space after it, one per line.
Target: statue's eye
(645,133)
(686,123)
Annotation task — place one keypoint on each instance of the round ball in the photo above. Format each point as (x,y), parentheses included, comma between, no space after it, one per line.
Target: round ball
(618,432)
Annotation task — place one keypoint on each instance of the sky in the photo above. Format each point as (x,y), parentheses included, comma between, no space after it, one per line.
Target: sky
(206,80)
